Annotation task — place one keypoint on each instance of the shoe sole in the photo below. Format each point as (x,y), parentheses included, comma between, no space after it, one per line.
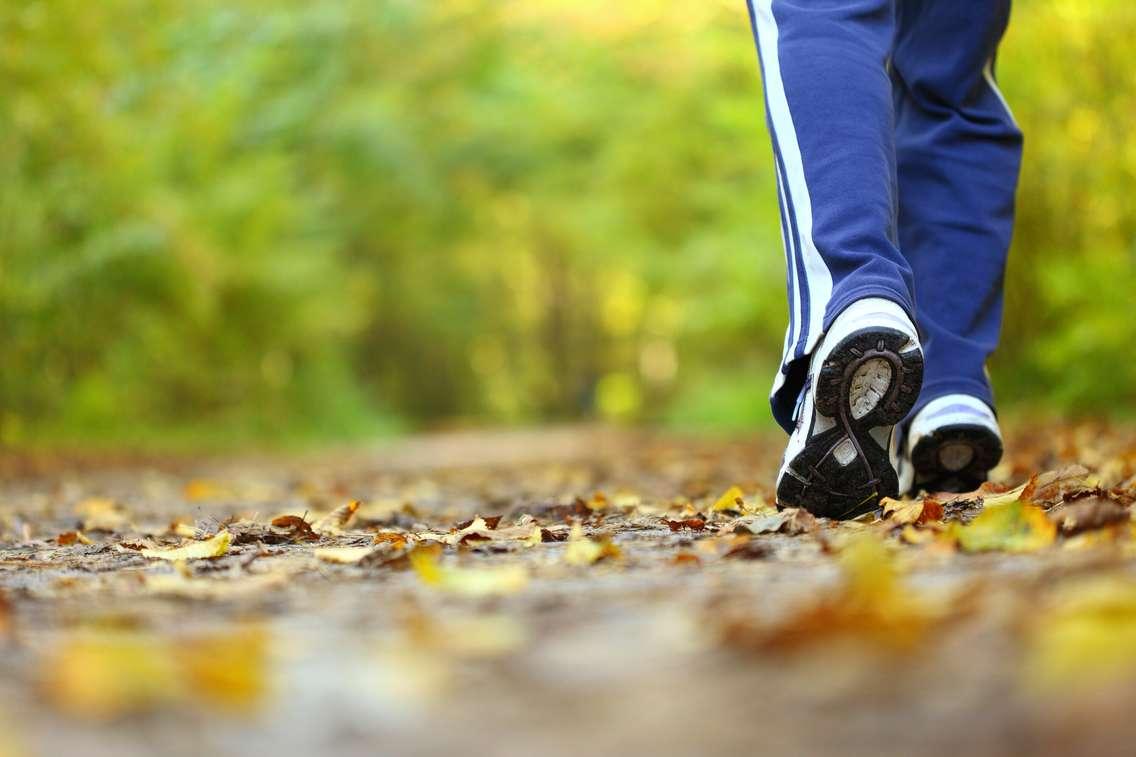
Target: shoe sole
(843,471)
(955,458)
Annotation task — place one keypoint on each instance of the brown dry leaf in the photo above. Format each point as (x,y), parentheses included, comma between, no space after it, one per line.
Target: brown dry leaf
(686,559)
(905,512)
(5,614)
(210,548)
(745,548)
(691,524)
(335,521)
(1088,514)
(297,528)
(394,538)
(101,514)
(68,538)
(792,521)
(1052,487)
(583,551)
(762,524)
(1014,526)
(469,582)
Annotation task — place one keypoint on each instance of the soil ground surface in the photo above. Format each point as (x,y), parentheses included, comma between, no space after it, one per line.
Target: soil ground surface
(564,591)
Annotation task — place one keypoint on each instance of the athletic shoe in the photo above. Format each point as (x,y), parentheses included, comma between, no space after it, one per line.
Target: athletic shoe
(949,446)
(864,377)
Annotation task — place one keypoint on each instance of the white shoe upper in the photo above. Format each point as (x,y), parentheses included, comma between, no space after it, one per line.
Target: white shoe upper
(948,410)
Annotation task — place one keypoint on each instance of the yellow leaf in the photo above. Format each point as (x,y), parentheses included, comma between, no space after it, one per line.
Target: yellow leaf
(101,514)
(199,489)
(583,551)
(1015,526)
(214,547)
(872,605)
(732,499)
(913,535)
(184,530)
(598,501)
(901,512)
(106,675)
(469,582)
(227,671)
(343,555)
(1086,635)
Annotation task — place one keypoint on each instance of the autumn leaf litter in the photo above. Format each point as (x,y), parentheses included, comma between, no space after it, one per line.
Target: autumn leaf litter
(164,606)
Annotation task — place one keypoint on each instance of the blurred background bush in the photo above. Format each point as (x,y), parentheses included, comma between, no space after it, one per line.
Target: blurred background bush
(325,219)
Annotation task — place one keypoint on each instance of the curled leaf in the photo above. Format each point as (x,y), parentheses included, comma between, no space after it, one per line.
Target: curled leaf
(214,547)
(335,521)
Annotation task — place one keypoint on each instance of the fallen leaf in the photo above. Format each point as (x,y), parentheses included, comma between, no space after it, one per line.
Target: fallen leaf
(687,559)
(871,605)
(583,551)
(749,549)
(101,514)
(5,614)
(71,537)
(199,489)
(691,524)
(343,555)
(227,671)
(393,538)
(1015,526)
(908,512)
(1085,633)
(335,521)
(298,528)
(109,674)
(469,582)
(210,548)
(732,500)
(176,584)
(792,521)
(599,501)
(106,675)
(1087,515)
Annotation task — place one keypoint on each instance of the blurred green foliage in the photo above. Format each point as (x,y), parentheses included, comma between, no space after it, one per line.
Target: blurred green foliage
(268,220)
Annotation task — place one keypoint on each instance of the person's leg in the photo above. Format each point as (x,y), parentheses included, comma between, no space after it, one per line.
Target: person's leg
(829,109)
(851,366)
(958,151)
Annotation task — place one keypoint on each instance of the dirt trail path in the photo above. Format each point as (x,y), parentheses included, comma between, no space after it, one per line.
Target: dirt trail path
(628,599)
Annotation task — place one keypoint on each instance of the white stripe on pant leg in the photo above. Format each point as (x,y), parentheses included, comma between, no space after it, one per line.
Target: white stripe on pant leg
(818,280)
(988,75)
(792,333)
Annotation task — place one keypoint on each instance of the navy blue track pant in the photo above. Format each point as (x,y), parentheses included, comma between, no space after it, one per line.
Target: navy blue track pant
(897,163)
